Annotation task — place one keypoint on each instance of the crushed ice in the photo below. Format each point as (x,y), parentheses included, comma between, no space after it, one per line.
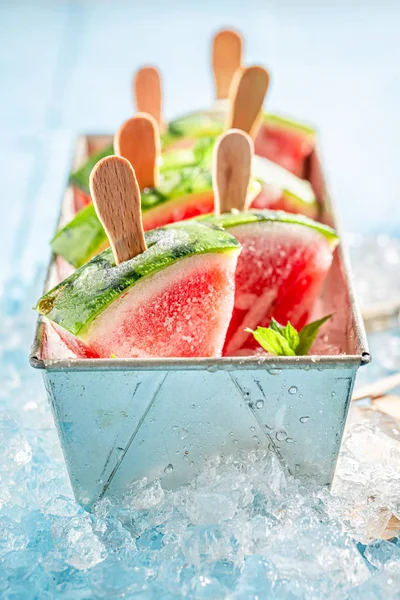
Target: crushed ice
(243,529)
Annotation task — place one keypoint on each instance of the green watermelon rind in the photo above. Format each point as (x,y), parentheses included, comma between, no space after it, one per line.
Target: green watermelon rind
(212,124)
(234,219)
(81,238)
(80,177)
(75,302)
(198,124)
(289,124)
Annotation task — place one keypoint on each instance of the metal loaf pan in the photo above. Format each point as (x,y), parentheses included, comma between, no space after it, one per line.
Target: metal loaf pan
(119,420)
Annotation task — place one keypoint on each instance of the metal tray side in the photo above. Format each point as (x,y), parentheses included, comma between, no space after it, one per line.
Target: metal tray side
(119,426)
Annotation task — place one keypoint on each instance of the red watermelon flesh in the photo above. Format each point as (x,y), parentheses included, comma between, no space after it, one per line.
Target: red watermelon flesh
(285,146)
(279,274)
(179,209)
(184,313)
(81,199)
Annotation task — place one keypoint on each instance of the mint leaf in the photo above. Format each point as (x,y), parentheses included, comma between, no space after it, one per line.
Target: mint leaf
(113,356)
(308,334)
(272,341)
(292,337)
(287,341)
(277,327)
(289,333)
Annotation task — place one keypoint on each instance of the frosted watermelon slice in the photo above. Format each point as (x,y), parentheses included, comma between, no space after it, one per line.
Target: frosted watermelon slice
(281,190)
(183,193)
(173,300)
(286,142)
(283,263)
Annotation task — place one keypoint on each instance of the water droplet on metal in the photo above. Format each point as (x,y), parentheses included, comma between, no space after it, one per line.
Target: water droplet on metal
(174,427)
(255,438)
(183,433)
(304,419)
(293,390)
(289,440)
(333,395)
(259,403)
(235,442)
(252,428)
(281,436)
(168,469)
(274,371)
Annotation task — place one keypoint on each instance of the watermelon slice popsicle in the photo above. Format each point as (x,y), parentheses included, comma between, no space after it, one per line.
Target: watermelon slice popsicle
(167,294)
(284,258)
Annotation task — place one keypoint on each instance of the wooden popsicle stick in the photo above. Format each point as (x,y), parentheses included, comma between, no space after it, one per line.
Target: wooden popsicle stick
(377,388)
(226,59)
(390,405)
(138,140)
(116,198)
(247,93)
(147,93)
(232,157)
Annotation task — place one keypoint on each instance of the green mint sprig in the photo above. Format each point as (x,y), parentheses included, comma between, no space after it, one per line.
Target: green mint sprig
(287,341)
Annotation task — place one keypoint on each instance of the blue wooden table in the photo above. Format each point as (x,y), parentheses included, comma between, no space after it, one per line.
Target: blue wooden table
(66,67)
